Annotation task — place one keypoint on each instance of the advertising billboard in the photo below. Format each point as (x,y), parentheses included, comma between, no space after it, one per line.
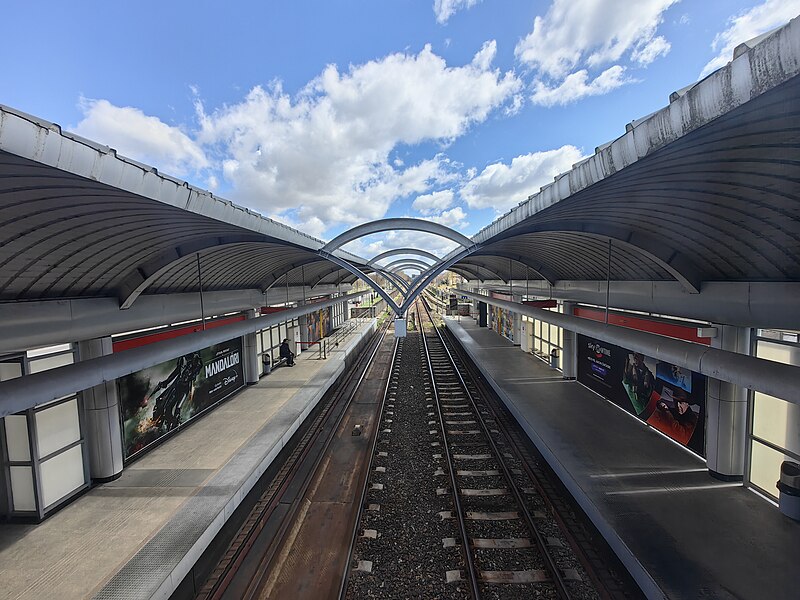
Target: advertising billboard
(157,400)
(668,397)
(502,322)
(318,324)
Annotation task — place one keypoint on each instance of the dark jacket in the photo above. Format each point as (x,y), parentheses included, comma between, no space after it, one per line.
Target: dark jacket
(285,352)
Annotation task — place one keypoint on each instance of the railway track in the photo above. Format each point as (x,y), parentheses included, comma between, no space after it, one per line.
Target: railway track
(454,513)
(410,483)
(250,560)
(502,542)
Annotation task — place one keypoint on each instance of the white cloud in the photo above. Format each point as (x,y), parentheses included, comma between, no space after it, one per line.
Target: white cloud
(140,137)
(747,25)
(455,218)
(586,31)
(648,52)
(500,186)
(444,9)
(576,37)
(485,56)
(428,204)
(577,85)
(325,152)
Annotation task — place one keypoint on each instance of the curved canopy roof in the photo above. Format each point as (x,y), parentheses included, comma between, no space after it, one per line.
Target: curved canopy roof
(78,221)
(706,189)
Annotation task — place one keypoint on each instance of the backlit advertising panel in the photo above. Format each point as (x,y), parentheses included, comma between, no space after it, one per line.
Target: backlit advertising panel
(668,397)
(502,322)
(318,324)
(159,399)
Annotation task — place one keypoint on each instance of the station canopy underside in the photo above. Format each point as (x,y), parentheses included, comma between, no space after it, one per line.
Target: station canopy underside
(705,190)
(68,236)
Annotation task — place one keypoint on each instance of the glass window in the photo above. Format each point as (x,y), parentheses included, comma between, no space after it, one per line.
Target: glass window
(10,370)
(765,467)
(19,449)
(774,421)
(61,475)
(22,494)
(50,362)
(49,350)
(57,427)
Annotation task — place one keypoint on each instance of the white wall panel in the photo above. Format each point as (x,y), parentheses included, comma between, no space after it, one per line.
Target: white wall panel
(22,488)
(61,475)
(50,362)
(19,449)
(57,426)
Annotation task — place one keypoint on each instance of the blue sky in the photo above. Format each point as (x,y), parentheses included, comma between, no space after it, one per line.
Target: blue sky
(325,114)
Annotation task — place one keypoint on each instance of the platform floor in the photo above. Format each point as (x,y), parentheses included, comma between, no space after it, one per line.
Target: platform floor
(138,536)
(681,533)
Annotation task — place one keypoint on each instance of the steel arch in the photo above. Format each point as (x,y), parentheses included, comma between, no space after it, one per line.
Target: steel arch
(409,261)
(401,251)
(402,223)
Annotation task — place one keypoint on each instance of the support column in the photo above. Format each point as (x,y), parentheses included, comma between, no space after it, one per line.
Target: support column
(250,358)
(482,314)
(302,335)
(569,352)
(726,412)
(101,408)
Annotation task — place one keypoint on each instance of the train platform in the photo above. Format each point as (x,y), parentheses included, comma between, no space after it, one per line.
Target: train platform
(139,536)
(680,532)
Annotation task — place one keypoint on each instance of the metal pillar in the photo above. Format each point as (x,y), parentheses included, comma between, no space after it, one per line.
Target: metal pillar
(101,408)
(569,350)
(250,349)
(726,412)
(483,309)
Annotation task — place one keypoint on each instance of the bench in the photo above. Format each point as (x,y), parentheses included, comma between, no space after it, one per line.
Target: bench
(269,366)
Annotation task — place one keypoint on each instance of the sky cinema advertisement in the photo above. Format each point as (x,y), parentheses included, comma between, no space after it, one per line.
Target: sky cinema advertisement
(667,397)
(159,399)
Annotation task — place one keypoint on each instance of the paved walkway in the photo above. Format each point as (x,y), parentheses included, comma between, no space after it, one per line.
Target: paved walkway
(681,533)
(137,537)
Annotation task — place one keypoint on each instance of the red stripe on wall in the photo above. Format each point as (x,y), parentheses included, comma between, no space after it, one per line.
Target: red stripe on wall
(160,336)
(541,303)
(673,330)
(268,310)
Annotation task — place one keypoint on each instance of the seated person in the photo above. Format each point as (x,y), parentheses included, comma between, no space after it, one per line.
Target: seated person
(287,353)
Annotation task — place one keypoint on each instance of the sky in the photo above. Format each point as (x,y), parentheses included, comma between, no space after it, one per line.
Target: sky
(326,114)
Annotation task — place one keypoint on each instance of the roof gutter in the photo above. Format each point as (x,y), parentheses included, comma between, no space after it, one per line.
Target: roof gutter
(773,378)
(31,390)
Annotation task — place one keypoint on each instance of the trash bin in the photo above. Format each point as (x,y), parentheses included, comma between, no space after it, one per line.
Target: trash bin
(267,364)
(789,488)
(554,359)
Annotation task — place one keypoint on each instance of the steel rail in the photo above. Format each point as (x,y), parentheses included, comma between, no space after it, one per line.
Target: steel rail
(347,569)
(298,456)
(541,543)
(525,458)
(472,572)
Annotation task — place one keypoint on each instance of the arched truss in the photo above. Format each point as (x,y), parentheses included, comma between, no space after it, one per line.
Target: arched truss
(477,271)
(322,277)
(422,282)
(398,282)
(394,225)
(537,269)
(138,280)
(276,276)
(408,261)
(403,251)
(676,263)
(366,279)
(403,223)
(406,266)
